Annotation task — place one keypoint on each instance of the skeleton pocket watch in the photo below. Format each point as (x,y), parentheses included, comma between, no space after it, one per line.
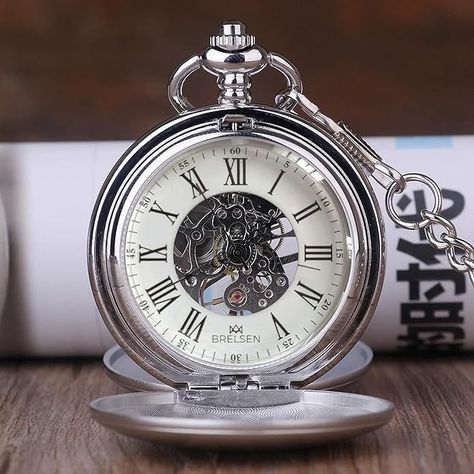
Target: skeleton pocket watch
(236,253)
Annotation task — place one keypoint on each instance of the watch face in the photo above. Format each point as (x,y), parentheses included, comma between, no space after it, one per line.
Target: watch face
(237,252)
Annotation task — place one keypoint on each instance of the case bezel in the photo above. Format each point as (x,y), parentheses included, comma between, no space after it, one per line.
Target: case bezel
(195,127)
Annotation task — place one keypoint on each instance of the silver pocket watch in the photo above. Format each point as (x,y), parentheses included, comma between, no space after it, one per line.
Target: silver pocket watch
(236,254)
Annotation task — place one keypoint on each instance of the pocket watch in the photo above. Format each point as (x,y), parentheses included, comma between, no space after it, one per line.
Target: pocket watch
(236,253)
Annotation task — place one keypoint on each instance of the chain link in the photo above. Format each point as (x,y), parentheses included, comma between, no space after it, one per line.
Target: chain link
(395,189)
(459,252)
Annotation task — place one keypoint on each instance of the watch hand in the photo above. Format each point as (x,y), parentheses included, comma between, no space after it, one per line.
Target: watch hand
(291,233)
(293,257)
(242,261)
(214,302)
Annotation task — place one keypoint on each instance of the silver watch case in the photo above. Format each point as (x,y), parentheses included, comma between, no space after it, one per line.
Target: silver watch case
(132,172)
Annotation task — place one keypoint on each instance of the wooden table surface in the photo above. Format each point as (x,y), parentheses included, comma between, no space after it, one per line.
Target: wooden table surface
(46,427)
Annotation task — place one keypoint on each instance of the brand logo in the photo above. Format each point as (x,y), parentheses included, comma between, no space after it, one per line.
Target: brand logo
(236,329)
(235,336)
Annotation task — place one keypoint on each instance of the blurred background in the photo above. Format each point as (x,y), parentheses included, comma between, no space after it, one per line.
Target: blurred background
(98,69)
(90,70)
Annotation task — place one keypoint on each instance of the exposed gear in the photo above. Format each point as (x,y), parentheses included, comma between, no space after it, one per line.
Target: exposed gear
(230,244)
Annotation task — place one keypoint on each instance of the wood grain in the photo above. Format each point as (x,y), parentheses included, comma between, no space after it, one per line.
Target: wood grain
(46,427)
(75,70)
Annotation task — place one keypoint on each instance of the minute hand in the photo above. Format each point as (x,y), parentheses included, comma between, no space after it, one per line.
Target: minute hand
(291,233)
(292,257)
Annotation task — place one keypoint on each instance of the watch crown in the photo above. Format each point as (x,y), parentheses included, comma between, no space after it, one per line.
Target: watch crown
(232,36)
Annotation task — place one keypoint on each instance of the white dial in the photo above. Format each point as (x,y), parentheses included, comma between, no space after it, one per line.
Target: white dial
(238,252)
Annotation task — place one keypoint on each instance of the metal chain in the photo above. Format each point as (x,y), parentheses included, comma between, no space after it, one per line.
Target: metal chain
(440,231)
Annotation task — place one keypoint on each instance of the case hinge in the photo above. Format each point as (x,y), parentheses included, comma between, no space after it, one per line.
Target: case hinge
(236,123)
(241,382)
(238,382)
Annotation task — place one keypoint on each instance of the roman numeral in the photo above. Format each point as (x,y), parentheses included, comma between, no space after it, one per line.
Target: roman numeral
(193,325)
(237,171)
(307,211)
(310,295)
(159,210)
(317,252)
(280,329)
(197,186)
(159,254)
(161,294)
(276,182)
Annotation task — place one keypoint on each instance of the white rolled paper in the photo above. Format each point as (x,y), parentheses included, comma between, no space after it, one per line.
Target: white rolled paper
(425,305)
(49,189)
